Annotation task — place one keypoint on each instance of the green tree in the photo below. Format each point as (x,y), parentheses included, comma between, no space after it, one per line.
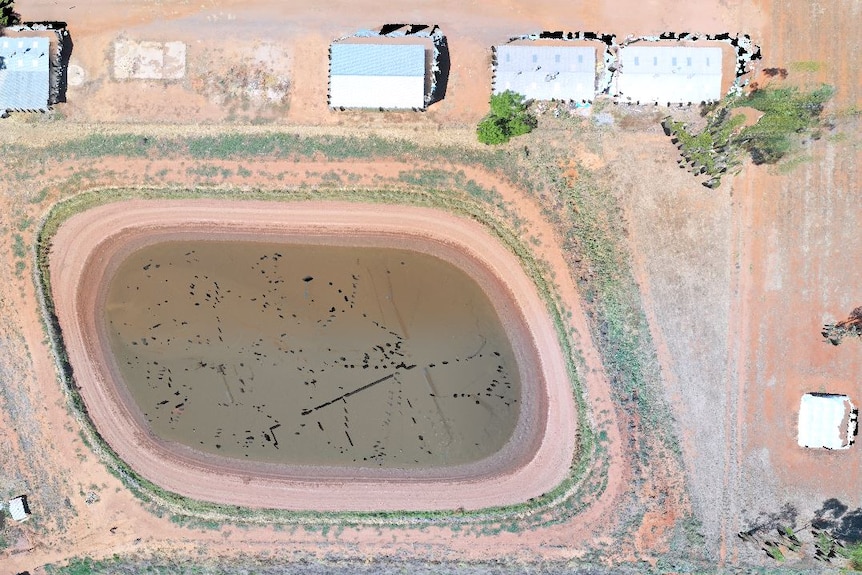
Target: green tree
(508,118)
(787,112)
(8,16)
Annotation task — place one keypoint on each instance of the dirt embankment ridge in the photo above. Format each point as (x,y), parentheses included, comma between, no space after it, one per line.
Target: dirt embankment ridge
(535,460)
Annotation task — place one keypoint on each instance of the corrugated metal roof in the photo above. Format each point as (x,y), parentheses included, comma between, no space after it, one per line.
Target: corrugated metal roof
(670,73)
(24,81)
(546,72)
(377,60)
(821,421)
(17,509)
(685,60)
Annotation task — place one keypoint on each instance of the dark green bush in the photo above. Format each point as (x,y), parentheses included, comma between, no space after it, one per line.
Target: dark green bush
(508,118)
(8,16)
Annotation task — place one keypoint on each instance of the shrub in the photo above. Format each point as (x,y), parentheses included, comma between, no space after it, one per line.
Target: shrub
(8,16)
(508,118)
(786,112)
(854,556)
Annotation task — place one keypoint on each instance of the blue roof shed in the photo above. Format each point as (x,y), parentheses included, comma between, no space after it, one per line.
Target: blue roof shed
(377,75)
(24,79)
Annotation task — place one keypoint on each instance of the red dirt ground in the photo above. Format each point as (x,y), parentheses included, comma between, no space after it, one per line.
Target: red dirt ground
(736,282)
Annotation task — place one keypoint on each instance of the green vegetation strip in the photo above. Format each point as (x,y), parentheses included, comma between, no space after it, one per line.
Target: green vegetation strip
(471,204)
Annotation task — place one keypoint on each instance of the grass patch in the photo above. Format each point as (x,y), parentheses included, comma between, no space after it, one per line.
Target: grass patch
(19,249)
(806,66)
(24,223)
(854,556)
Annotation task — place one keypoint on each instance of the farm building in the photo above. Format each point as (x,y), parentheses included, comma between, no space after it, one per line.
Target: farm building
(18,508)
(826,421)
(377,76)
(669,74)
(541,72)
(24,69)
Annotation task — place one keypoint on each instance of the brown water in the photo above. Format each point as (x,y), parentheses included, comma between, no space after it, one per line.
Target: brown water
(313,355)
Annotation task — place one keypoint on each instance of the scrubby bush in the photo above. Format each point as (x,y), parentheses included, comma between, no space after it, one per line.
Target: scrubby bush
(508,118)
(786,112)
(8,16)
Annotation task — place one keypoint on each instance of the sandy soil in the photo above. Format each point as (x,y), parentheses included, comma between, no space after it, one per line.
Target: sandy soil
(89,246)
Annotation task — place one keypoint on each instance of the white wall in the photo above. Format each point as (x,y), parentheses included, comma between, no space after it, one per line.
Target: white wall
(377,92)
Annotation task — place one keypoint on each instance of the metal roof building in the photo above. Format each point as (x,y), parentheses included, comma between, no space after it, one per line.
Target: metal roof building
(669,74)
(24,81)
(826,421)
(546,72)
(377,75)
(18,508)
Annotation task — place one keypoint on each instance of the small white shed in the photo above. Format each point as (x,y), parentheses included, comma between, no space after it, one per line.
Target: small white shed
(19,509)
(826,421)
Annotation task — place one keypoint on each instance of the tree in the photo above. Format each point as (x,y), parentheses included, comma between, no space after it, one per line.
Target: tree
(8,16)
(787,112)
(508,118)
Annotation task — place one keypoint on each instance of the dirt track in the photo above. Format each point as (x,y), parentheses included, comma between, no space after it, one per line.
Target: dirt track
(90,245)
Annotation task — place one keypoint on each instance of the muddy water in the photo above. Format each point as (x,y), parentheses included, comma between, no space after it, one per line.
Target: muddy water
(313,355)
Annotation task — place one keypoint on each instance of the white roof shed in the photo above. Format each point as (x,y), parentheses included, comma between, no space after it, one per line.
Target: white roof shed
(826,421)
(377,76)
(669,74)
(18,508)
(546,72)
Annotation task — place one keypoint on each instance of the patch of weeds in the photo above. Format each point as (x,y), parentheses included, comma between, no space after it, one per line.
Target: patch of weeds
(39,197)
(243,172)
(19,249)
(806,66)
(787,112)
(791,164)
(204,171)
(20,267)
(854,556)
(331,178)
(98,145)
(774,551)
(24,223)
